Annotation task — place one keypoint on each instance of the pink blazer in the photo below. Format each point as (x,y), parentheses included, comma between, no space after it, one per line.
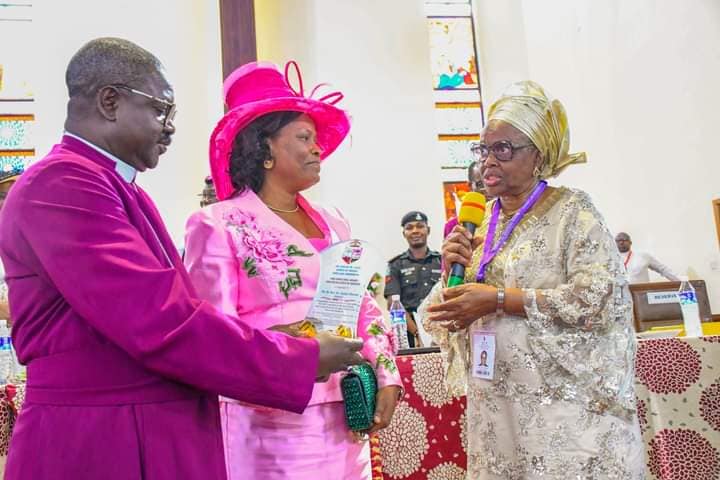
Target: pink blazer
(248,262)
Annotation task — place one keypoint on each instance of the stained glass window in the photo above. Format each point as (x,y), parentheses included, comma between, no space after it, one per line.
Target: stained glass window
(456,9)
(15,24)
(455,151)
(455,77)
(16,94)
(15,162)
(459,115)
(15,131)
(452,53)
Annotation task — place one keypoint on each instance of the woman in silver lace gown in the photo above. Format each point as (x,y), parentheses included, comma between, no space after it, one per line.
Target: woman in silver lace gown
(560,404)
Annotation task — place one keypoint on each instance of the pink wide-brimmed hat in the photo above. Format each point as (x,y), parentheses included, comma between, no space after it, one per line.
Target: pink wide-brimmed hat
(258,88)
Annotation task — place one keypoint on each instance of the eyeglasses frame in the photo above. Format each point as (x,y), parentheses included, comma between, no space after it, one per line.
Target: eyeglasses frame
(170,107)
(513,148)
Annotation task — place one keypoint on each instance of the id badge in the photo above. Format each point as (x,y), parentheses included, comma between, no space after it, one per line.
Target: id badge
(483,364)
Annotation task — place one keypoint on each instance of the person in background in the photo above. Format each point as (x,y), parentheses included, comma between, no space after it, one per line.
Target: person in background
(638,263)
(8,176)
(125,362)
(256,254)
(413,273)
(208,196)
(475,184)
(546,297)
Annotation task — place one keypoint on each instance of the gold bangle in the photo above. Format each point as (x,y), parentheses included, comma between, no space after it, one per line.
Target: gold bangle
(500,309)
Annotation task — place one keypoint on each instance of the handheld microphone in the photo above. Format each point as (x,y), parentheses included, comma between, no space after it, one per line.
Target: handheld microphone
(472,212)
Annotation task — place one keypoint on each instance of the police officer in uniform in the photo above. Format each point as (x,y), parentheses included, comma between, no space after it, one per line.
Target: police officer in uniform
(413,273)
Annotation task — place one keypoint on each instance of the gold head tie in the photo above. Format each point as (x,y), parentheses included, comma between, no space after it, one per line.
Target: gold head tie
(525,106)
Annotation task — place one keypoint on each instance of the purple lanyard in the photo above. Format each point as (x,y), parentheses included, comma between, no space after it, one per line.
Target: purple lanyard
(489,251)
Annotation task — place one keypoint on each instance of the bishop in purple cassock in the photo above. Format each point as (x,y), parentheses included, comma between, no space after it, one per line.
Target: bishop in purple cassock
(124,362)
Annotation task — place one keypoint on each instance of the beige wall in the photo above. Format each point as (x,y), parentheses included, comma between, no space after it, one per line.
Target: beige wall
(380,62)
(639,79)
(640,82)
(184,34)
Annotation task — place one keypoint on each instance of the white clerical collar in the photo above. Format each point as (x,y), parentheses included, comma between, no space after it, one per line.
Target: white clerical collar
(127,172)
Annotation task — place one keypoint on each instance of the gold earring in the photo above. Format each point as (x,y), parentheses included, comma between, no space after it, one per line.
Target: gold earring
(536,172)
(268,164)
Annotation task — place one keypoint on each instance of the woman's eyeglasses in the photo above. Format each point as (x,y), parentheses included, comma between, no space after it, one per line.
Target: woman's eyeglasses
(169,109)
(503,150)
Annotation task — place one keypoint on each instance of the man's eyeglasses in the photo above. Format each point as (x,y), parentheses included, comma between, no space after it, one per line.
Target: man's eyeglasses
(503,150)
(168,111)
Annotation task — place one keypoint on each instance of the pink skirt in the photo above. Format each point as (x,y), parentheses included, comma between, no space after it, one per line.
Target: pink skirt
(274,444)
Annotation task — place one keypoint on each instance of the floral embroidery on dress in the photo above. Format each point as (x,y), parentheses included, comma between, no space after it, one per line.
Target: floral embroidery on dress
(384,341)
(263,253)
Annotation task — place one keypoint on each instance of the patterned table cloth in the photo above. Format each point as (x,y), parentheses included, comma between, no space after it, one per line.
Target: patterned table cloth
(426,438)
(678,390)
(678,398)
(11,401)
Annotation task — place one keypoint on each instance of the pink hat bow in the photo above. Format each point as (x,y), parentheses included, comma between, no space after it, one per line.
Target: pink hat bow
(258,88)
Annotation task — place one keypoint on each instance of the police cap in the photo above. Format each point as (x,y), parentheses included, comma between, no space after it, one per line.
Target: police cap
(413,216)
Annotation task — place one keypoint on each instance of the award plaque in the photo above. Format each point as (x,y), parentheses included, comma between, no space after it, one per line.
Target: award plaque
(346,269)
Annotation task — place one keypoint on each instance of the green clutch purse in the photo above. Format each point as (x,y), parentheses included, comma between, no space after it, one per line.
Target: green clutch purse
(359,390)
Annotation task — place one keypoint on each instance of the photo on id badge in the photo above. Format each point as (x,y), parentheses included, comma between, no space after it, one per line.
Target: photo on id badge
(483,365)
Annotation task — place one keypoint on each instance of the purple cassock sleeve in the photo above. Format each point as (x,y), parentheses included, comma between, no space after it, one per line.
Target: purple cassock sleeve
(85,232)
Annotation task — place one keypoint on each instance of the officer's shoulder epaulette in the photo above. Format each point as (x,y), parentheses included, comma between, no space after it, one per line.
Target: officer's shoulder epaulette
(397,257)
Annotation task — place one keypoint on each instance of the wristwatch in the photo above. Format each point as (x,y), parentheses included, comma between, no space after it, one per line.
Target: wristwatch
(500,309)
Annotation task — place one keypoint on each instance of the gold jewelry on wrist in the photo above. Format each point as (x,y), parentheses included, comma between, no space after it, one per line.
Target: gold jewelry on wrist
(500,309)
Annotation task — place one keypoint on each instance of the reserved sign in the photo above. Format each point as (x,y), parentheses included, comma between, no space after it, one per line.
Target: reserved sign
(656,298)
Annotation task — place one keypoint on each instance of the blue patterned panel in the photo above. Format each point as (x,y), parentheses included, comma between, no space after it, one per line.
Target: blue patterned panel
(454,151)
(15,132)
(13,164)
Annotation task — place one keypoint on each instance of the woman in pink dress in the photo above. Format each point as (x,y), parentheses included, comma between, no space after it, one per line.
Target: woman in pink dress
(255,254)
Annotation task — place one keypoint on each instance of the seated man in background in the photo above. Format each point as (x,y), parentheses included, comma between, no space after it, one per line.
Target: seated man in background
(413,273)
(637,263)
